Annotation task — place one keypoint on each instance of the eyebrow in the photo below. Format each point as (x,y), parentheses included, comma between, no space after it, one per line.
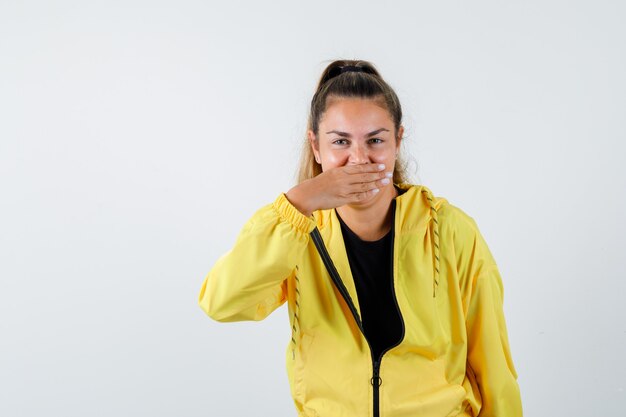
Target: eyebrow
(347,135)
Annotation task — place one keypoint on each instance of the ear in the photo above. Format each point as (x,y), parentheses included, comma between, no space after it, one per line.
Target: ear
(314,145)
(399,138)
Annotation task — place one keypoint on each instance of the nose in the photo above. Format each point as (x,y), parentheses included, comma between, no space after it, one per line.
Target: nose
(358,155)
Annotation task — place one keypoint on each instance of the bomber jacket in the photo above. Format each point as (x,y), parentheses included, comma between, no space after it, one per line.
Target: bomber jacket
(454,357)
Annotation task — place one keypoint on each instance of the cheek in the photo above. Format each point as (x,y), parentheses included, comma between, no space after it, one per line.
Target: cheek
(384,155)
(335,159)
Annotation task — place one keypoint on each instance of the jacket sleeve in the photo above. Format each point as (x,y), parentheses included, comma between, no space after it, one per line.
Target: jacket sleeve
(489,362)
(249,281)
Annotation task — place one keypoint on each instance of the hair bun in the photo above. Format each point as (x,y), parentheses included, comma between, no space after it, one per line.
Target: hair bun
(333,72)
(354,68)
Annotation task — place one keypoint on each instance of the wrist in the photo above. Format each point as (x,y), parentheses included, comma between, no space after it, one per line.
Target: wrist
(299,199)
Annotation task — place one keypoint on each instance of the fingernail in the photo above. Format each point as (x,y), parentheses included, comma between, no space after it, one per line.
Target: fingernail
(385,181)
(375,190)
(389,174)
(381,166)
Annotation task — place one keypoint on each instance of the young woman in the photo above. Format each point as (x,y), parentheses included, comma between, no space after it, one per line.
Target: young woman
(394,299)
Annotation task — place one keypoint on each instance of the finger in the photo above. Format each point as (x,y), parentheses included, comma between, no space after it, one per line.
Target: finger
(365,194)
(363,168)
(372,177)
(370,185)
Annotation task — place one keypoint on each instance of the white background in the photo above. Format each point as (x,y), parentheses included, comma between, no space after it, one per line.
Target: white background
(136,138)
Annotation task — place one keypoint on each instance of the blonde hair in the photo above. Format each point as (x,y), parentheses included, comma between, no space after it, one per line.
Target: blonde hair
(334,84)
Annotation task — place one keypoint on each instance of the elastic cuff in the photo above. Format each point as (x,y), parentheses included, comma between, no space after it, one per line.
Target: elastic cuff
(291,214)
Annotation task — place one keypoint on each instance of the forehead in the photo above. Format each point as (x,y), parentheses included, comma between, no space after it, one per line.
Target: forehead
(355,114)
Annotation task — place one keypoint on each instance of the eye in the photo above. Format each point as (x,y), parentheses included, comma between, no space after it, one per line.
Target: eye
(340,140)
(378,139)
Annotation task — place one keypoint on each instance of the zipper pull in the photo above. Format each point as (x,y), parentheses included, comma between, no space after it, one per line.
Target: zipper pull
(376,380)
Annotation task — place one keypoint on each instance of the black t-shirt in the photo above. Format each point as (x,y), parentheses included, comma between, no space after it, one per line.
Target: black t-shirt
(371,264)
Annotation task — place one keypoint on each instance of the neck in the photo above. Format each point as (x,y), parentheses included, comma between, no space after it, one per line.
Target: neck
(371,221)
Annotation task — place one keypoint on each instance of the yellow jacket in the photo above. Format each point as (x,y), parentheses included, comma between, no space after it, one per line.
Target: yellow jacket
(454,357)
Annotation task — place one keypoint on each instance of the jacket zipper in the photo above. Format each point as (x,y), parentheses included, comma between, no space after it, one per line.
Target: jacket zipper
(376,380)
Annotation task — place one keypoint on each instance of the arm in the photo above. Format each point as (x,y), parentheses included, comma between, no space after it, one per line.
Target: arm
(249,281)
(489,357)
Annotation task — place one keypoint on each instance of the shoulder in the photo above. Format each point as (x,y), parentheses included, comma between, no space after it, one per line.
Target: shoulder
(456,218)
(452,222)
(460,230)
(423,202)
